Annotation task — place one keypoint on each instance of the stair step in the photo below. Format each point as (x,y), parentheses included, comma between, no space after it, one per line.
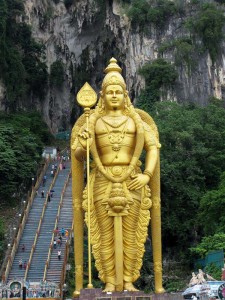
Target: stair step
(40,254)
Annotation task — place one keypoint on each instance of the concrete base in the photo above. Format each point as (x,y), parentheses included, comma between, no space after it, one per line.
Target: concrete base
(97,294)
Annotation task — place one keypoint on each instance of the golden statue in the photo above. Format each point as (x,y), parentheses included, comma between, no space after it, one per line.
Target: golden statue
(122,198)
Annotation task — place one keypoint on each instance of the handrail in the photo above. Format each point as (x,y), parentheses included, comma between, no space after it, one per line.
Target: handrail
(39,225)
(26,211)
(56,223)
(63,272)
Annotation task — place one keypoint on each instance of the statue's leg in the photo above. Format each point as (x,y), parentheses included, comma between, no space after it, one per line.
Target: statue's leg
(131,253)
(106,227)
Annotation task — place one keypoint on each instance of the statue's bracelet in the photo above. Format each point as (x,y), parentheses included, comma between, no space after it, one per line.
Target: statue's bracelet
(146,172)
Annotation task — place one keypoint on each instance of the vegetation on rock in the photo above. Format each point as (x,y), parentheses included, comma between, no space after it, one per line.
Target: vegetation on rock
(158,74)
(21,57)
(184,51)
(56,77)
(208,25)
(142,12)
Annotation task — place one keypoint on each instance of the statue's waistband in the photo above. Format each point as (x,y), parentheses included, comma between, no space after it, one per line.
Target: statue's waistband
(116,171)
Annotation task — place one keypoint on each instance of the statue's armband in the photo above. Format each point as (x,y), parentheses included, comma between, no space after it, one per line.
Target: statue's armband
(150,140)
(80,152)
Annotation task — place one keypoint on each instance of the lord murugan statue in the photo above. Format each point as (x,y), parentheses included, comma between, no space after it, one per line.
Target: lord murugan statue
(123,199)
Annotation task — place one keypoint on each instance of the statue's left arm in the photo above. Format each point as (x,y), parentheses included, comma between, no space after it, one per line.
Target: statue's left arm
(140,180)
(151,151)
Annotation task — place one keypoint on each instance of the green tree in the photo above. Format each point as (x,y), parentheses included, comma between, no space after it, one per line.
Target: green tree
(21,143)
(212,209)
(209,243)
(192,141)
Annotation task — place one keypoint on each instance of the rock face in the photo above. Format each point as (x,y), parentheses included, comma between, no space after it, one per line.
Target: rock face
(85,35)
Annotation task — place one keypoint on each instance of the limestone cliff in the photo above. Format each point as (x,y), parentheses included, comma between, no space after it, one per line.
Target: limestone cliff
(88,33)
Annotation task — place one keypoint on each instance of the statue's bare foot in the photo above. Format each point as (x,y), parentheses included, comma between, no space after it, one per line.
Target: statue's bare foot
(159,290)
(128,286)
(109,287)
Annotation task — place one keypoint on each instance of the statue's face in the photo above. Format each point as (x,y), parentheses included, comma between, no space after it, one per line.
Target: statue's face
(114,97)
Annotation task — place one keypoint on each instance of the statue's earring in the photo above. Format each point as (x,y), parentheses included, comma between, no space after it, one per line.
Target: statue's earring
(103,103)
(125,100)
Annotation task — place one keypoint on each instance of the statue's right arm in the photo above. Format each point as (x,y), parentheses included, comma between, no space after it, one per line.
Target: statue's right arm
(80,154)
(80,144)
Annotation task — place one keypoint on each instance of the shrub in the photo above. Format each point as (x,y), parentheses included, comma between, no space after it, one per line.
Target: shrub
(213,271)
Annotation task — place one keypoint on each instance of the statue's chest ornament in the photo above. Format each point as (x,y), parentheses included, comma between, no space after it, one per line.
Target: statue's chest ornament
(116,138)
(116,134)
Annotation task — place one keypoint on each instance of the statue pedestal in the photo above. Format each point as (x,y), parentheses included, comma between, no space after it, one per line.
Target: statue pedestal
(97,294)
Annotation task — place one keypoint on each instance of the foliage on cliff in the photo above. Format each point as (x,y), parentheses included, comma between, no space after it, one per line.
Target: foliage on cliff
(142,12)
(208,25)
(21,57)
(159,75)
(22,137)
(56,77)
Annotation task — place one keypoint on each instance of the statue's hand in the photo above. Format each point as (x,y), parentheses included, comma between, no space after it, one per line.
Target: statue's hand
(83,137)
(138,181)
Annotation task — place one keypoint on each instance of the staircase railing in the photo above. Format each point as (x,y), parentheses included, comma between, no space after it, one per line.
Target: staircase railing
(55,226)
(39,225)
(66,256)
(24,217)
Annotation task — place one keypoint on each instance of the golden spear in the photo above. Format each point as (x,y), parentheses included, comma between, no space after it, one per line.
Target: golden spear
(87,98)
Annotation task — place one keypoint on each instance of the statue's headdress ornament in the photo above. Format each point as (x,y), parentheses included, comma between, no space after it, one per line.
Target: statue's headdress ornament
(113,75)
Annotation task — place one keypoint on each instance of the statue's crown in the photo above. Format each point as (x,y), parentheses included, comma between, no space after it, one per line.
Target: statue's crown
(113,75)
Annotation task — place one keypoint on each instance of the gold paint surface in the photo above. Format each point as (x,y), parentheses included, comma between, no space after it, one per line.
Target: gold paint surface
(120,200)
(86,97)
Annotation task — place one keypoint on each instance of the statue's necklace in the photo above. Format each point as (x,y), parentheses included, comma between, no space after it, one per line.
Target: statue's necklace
(116,136)
(115,122)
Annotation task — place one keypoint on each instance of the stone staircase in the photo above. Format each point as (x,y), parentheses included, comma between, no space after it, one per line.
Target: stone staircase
(65,221)
(37,265)
(29,231)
